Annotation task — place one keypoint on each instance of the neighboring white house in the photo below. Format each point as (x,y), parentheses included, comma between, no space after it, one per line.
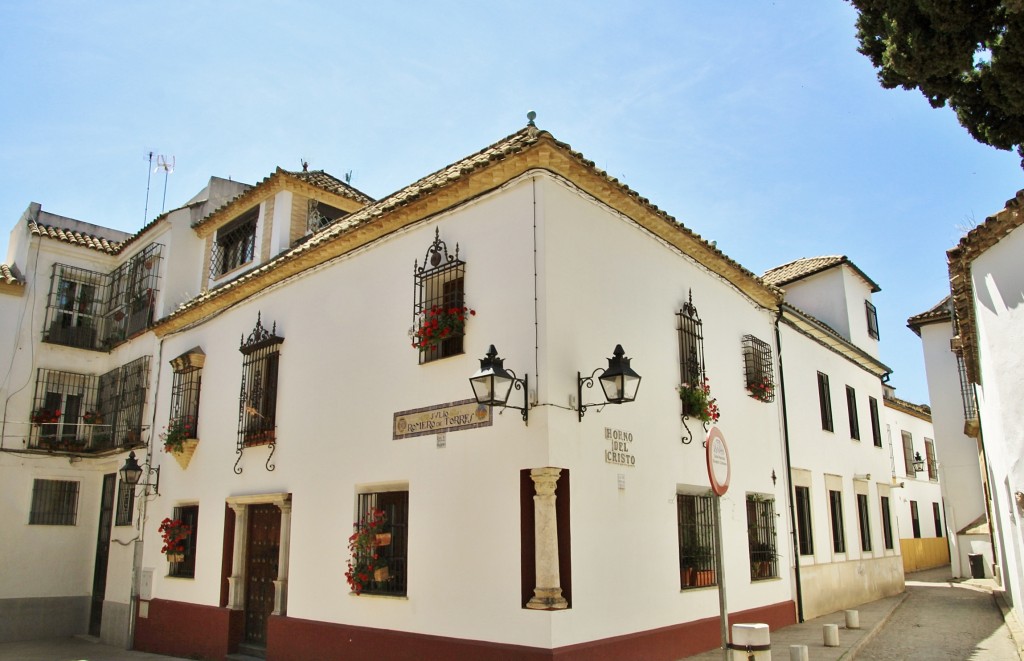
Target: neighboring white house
(955,417)
(840,460)
(311,350)
(987,284)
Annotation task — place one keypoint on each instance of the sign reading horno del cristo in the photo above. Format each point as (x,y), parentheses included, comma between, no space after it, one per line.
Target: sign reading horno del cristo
(465,414)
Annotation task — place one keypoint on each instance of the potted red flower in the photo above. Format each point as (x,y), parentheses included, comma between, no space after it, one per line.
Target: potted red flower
(174,532)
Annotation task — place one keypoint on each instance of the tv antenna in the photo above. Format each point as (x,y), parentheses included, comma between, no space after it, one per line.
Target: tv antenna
(149,175)
(165,163)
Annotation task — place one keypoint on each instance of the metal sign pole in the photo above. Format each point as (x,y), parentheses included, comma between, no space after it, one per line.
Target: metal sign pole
(720,573)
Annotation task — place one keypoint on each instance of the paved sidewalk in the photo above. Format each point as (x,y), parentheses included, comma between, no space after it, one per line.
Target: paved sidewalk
(873,616)
(74,648)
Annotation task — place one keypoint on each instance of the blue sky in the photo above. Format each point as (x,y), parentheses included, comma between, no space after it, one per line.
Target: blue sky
(755,123)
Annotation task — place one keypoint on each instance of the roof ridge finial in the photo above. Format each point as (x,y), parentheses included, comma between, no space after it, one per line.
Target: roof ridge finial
(531,127)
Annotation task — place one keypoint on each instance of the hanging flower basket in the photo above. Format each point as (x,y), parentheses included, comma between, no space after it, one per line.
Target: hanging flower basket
(438,323)
(174,533)
(698,402)
(184,456)
(762,392)
(45,416)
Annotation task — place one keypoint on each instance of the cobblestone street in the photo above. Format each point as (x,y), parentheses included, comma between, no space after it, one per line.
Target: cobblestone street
(943,619)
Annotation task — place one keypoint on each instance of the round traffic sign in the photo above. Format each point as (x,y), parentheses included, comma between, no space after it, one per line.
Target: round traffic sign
(719,466)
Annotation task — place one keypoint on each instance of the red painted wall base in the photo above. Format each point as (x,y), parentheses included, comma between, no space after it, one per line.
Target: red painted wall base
(206,632)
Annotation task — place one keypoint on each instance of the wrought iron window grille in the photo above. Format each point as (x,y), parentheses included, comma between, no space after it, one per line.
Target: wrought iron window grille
(696,524)
(75,412)
(320,215)
(189,515)
(186,384)
(54,503)
(438,286)
(391,577)
(98,311)
(257,402)
(692,372)
(234,244)
(757,369)
(761,538)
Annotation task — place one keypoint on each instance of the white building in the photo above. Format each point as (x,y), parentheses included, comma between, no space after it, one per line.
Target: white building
(987,285)
(563,525)
(955,419)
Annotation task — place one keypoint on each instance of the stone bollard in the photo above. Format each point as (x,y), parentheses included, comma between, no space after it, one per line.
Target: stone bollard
(750,642)
(798,653)
(852,619)
(831,635)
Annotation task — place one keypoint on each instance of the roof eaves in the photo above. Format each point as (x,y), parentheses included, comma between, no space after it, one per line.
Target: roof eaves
(72,237)
(940,312)
(828,337)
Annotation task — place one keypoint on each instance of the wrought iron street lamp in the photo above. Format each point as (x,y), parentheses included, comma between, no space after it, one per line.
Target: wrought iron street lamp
(132,472)
(918,462)
(619,382)
(492,384)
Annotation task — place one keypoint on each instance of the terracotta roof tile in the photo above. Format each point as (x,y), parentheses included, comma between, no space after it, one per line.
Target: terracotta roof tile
(808,266)
(520,141)
(75,238)
(941,311)
(9,277)
(922,411)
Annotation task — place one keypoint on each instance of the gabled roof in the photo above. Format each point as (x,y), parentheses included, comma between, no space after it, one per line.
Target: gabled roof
(960,258)
(338,193)
(827,336)
(474,175)
(937,313)
(798,269)
(72,237)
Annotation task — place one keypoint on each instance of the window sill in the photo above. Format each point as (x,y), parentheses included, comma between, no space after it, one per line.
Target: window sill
(393,597)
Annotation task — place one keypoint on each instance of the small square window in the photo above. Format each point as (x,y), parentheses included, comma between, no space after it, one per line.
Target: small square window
(54,503)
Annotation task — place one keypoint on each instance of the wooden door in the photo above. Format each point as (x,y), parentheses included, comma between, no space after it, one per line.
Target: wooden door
(99,573)
(261,555)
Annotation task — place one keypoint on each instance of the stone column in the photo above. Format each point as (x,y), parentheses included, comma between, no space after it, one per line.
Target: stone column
(547,595)
(281,584)
(236,582)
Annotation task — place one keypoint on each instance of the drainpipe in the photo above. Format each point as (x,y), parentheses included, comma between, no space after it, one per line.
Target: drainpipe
(789,472)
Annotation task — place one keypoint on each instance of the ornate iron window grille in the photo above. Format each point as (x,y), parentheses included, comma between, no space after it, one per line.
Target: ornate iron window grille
(696,523)
(395,505)
(691,357)
(320,215)
(98,311)
(185,387)
(125,504)
(439,284)
(234,244)
(761,538)
(757,369)
(257,402)
(54,503)
(966,390)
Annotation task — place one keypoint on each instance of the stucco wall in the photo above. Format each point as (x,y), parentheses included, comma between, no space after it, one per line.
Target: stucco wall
(842,585)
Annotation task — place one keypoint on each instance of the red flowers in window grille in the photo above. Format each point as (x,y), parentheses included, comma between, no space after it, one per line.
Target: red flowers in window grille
(178,431)
(364,563)
(698,402)
(174,532)
(45,416)
(439,323)
(760,391)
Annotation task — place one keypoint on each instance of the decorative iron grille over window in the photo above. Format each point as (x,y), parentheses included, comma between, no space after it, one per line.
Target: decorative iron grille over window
(691,363)
(86,413)
(257,403)
(235,244)
(391,556)
(92,310)
(320,215)
(696,521)
(761,538)
(185,387)
(439,302)
(757,368)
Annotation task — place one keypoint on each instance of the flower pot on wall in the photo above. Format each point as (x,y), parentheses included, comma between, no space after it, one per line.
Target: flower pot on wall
(381,574)
(383,539)
(184,456)
(175,557)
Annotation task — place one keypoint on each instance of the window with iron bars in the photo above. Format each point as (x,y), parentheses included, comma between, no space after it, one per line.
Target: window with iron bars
(440,313)
(757,369)
(835,510)
(695,518)
(966,390)
(257,415)
(54,503)
(98,311)
(761,537)
(234,244)
(189,515)
(186,383)
(320,215)
(929,455)
(125,504)
(864,522)
(886,522)
(392,562)
(85,413)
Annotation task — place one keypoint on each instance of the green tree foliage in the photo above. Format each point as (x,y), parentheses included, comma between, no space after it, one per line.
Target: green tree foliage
(968,54)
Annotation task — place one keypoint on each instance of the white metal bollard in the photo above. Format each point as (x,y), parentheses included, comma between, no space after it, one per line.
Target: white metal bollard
(798,653)
(751,642)
(852,619)
(831,635)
